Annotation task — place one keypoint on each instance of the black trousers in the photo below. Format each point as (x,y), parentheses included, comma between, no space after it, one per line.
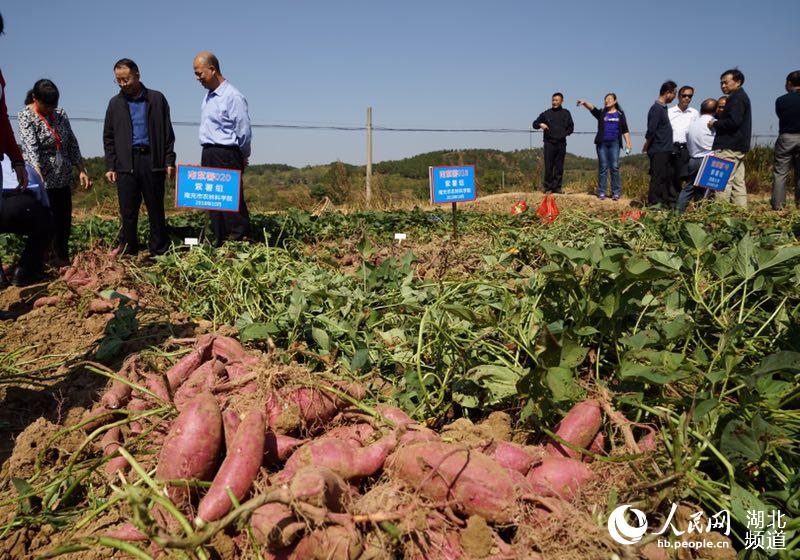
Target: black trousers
(233,225)
(61,208)
(680,171)
(23,215)
(554,165)
(148,185)
(661,178)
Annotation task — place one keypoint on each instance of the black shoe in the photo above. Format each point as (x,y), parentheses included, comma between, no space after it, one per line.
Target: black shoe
(557,191)
(6,316)
(23,278)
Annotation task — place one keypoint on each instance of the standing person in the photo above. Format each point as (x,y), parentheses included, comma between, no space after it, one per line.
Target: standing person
(612,127)
(8,144)
(733,129)
(139,142)
(787,147)
(557,124)
(51,148)
(681,116)
(699,142)
(658,145)
(225,135)
(721,102)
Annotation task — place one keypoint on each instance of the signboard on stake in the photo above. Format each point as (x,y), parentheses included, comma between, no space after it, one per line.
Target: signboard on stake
(714,173)
(452,185)
(208,188)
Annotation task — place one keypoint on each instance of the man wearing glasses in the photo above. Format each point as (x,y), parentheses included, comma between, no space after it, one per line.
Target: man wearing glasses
(681,117)
(139,149)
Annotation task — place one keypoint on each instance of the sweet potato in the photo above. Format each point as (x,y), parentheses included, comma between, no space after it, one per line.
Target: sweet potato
(97,416)
(319,487)
(192,446)
(517,457)
(279,447)
(334,542)
(396,415)
(98,305)
(110,442)
(296,407)
(597,447)
(579,427)
(119,392)
(648,442)
(202,379)
(184,367)
(559,476)
(137,405)
(228,349)
(341,457)
(238,470)
(419,435)
(230,423)
(275,526)
(355,434)
(445,471)
(46,301)
(126,532)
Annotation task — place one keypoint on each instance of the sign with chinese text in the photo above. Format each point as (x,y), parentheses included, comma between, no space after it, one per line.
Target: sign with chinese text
(714,173)
(208,188)
(452,184)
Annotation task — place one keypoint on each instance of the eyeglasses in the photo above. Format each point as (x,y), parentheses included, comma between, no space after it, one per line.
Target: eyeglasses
(689,96)
(124,82)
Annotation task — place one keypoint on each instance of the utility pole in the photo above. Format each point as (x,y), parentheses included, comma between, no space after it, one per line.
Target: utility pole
(369,156)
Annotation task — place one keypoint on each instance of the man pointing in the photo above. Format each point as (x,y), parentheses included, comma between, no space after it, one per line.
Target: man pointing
(225,135)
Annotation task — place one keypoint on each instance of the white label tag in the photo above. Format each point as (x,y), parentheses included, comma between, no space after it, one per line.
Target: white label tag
(191,241)
(400,236)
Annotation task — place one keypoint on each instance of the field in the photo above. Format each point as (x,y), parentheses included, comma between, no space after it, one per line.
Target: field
(425,384)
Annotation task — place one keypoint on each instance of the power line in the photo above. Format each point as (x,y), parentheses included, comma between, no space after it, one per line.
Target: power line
(360,128)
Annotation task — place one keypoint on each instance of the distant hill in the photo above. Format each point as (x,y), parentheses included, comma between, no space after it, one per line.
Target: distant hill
(274,186)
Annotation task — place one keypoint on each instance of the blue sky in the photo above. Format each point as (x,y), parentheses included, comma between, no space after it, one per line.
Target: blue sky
(443,64)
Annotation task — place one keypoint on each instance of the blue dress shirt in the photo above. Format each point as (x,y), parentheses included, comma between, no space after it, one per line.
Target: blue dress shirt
(224,119)
(138,109)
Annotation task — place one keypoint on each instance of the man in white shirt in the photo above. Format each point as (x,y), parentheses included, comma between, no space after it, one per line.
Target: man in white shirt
(699,144)
(681,117)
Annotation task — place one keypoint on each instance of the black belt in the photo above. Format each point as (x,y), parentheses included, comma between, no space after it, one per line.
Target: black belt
(222,146)
(679,144)
(141,149)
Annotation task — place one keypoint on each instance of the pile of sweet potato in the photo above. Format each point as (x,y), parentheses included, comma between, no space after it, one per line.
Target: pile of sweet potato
(313,454)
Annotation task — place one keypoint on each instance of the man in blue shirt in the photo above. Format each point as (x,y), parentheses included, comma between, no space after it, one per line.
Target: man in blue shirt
(139,141)
(225,135)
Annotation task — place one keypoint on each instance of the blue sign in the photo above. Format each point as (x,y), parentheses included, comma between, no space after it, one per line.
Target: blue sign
(208,188)
(452,184)
(714,173)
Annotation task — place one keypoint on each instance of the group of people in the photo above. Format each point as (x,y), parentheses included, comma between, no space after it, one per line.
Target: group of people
(677,140)
(138,142)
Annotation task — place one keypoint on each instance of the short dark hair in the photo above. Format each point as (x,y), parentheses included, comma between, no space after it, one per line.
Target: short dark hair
(127,63)
(735,73)
(794,78)
(684,88)
(708,107)
(558,93)
(44,91)
(722,98)
(667,87)
(2,25)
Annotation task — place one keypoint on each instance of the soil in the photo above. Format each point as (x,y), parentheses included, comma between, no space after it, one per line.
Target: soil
(477,539)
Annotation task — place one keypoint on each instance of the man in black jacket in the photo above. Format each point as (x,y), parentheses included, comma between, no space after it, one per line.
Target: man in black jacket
(557,125)
(733,129)
(658,145)
(139,151)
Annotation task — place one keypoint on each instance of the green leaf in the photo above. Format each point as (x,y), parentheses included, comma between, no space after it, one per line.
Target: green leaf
(572,354)
(638,266)
(697,235)
(743,501)
(780,361)
(500,382)
(640,339)
(322,339)
(23,488)
(561,382)
(703,408)
(783,255)
(461,311)
(744,263)
(361,359)
(257,331)
(586,331)
(665,258)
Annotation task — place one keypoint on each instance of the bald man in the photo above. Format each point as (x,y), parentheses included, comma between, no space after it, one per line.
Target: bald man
(225,135)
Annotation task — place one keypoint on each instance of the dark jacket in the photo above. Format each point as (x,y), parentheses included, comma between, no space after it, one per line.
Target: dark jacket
(8,145)
(734,126)
(659,130)
(559,125)
(601,124)
(118,133)
(787,107)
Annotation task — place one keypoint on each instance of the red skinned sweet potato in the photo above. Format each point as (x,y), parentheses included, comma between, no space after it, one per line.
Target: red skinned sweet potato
(598,447)
(184,367)
(279,447)
(445,471)
(319,487)
(275,526)
(238,470)
(518,458)
(98,416)
(356,434)
(230,423)
(111,441)
(204,378)
(334,542)
(98,305)
(343,458)
(419,435)
(579,427)
(191,448)
(296,407)
(118,392)
(559,476)
(126,532)
(137,405)
(396,415)
(46,301)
